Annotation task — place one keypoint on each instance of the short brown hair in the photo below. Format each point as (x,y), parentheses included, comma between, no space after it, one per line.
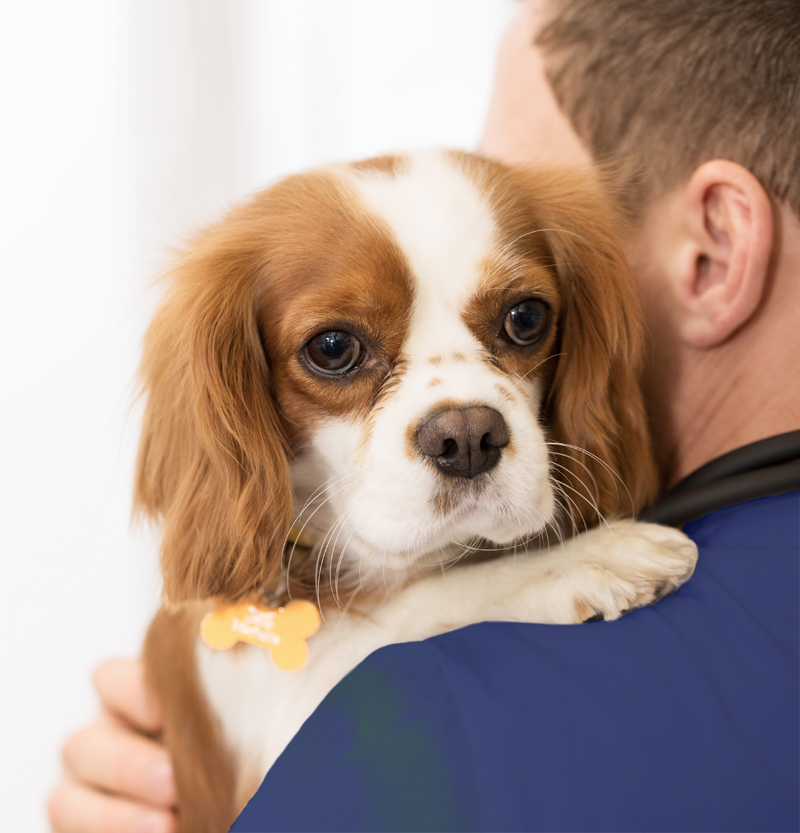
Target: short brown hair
(657,88)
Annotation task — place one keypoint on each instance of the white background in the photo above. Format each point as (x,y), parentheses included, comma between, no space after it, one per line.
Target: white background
(125,125)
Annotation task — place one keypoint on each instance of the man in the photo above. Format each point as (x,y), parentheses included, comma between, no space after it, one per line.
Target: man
(679,717)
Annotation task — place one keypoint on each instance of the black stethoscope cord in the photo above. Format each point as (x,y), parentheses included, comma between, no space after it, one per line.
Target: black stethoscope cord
(762,469)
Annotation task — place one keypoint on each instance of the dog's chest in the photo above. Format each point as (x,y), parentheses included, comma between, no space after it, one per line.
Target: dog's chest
(260,707)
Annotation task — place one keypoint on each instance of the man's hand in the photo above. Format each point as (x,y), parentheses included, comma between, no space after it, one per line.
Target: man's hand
(116,778)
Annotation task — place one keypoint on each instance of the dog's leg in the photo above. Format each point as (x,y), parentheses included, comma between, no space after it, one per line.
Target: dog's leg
(599,574)
(204,766)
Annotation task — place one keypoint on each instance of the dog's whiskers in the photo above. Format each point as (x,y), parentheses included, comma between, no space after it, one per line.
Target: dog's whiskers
(336,596)
(615,478)
(585,497)
(338,480)
(575,513)
(328,543)
(593,501)
(579,462)
(319,490)
(334,580)
(536,366)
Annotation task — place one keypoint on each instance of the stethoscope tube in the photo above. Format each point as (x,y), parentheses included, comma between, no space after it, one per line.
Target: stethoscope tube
(762,469)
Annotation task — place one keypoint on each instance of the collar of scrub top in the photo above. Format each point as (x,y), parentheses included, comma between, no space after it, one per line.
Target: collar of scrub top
(762,469)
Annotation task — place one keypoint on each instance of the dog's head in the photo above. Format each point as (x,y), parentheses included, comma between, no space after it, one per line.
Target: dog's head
(403,354)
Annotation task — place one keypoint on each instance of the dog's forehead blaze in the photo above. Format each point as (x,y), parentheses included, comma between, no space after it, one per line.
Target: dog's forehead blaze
(328,264)
(519,267)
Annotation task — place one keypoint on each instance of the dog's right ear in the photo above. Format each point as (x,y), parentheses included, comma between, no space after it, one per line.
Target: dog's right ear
(213,461)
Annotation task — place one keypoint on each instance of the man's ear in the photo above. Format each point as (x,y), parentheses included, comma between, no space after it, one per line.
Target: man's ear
(724,261)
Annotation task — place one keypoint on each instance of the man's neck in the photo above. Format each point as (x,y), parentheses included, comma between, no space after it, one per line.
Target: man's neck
(734,394)
(730,410)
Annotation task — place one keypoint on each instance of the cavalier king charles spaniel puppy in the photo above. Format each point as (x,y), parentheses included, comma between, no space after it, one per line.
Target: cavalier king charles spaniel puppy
(397,392)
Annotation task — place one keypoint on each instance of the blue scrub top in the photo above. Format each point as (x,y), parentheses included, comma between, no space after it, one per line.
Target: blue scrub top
(678,717)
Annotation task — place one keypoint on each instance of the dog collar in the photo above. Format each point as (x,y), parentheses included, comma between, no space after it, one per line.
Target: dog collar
(299,537)
(761,469)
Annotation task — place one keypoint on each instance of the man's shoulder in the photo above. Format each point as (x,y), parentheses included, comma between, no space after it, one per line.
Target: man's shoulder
(679,716)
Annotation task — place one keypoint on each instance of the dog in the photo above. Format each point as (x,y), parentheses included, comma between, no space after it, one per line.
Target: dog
(405,393)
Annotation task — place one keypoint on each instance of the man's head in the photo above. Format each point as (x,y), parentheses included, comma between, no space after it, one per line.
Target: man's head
(654,89)
(672,85)
(694,107)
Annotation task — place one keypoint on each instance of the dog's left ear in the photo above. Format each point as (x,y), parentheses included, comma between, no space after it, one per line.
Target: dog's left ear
(595,407)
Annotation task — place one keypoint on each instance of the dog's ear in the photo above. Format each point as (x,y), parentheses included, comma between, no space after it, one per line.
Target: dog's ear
(212,464)
(595,405)
(601,446)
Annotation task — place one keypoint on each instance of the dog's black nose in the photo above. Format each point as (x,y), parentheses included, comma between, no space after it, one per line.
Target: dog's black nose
(463,442)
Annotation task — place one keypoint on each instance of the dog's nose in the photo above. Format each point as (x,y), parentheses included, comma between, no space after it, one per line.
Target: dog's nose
(463,442)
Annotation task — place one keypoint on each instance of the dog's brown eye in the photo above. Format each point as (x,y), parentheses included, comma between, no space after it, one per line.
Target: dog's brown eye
(333,352)
(526,322)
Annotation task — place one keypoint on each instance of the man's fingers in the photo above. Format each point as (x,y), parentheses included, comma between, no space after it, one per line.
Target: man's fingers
(74,808)
(120,684)
(110,756)
(117,780)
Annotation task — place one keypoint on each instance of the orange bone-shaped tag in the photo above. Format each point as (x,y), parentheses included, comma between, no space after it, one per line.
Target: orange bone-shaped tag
(282,630)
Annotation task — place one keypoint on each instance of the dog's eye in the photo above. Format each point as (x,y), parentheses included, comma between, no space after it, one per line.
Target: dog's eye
(526,322)
(333,352)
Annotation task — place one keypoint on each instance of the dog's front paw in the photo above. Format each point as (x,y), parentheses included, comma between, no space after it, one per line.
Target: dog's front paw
(616,568)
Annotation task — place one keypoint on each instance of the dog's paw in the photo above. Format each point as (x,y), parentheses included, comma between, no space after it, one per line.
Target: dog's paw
(616,568)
